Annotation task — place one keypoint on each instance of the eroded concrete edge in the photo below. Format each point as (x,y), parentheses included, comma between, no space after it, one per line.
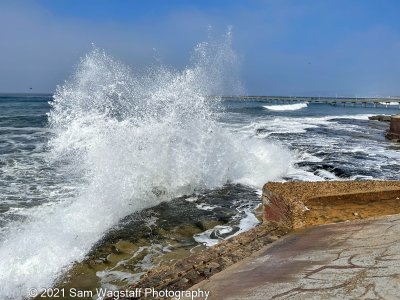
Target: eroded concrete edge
(288,203)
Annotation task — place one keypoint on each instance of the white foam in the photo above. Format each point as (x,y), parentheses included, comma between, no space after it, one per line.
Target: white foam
(262,127)
(304,175)
(305,156)
(326,175)
(205,239)
(390,103)
(286,107)
(204,206)
(246,223)
(191,199)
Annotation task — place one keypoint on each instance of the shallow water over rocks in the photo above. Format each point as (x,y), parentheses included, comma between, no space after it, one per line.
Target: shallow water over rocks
(163,234)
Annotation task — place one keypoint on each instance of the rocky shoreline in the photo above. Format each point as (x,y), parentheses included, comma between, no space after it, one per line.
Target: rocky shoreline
(191,270)
(161,236)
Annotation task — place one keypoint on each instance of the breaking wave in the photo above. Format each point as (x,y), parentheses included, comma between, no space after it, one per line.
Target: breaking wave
(131,141)
(284,107)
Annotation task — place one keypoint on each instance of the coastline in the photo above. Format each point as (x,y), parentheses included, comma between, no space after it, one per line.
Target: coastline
(167,233)
(288,207)
(191,270)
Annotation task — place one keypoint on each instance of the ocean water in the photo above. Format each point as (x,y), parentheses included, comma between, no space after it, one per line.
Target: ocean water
(327,142)
(111,144)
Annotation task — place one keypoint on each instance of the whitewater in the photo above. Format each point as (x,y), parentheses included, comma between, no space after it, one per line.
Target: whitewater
(283,107)
(129,141)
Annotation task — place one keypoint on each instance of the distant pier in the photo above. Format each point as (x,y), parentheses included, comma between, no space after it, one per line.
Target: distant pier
(328,100)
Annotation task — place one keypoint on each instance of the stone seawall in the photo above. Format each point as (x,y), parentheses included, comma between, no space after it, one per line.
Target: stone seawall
(394,131)
(300,204)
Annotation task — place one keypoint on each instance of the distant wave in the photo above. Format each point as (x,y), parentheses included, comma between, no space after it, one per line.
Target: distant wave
(389,103)
(296,106)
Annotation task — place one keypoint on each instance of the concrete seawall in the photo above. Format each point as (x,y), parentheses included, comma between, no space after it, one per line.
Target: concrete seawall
(301,204)
(394,131)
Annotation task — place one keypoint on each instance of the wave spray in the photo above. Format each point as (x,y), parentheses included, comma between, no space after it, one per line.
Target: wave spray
(131,141)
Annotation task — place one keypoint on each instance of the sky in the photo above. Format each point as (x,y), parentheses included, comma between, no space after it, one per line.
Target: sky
(286,47)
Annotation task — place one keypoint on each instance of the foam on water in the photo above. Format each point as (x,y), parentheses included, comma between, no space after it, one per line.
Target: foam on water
(204,206)
(263,127)
(328,145)
(132,141)
(213,236)
(284,107)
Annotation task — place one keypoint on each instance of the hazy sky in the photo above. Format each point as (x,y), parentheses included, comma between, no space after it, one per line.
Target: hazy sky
(298,47)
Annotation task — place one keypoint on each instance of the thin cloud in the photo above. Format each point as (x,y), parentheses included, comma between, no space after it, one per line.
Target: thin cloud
(286,47)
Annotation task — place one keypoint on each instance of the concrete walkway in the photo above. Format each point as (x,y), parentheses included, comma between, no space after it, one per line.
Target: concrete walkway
(351,260)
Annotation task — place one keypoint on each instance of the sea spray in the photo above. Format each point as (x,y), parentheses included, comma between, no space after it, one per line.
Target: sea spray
(131,141)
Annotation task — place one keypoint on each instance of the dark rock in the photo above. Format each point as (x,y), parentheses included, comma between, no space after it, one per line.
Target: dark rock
(382,118)
(115,250)
(200,225)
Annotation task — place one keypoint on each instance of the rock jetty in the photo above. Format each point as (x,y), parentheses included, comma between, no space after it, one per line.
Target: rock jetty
(382,118)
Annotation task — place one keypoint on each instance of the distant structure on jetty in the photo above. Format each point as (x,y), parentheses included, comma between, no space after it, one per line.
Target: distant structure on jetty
(329,100)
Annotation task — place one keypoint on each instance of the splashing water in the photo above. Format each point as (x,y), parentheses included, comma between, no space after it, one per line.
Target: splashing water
(131,141)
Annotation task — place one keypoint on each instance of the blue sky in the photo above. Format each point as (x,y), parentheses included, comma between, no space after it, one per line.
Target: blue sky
(298,47)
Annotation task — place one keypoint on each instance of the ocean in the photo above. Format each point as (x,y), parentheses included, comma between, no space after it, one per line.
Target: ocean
(115,174)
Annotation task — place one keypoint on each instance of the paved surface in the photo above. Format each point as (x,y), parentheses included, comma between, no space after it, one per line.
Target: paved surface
(353,260)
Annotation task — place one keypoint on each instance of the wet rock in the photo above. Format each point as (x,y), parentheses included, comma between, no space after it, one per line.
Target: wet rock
(163,235)
(200,225)
(382,118)
(115,250)
(189,271)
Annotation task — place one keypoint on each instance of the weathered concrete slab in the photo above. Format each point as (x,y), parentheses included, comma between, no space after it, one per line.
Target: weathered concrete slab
(300,204)
(351,260)
(394,131)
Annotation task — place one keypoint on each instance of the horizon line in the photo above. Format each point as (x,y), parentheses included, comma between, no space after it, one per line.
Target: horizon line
(237,96)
